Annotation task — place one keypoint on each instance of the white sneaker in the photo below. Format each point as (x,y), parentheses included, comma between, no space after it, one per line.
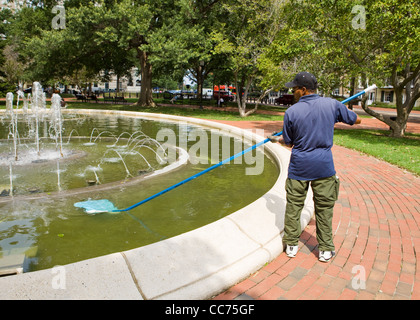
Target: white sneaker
(291,251)
(325,256)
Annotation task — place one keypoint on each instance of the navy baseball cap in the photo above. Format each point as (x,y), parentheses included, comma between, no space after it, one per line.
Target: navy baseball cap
(303,79)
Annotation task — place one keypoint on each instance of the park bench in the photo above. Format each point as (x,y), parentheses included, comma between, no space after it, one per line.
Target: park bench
(285,100)
(167,95)
(119,99)
(92,97)
(115,100)
(109,99)
(81,97)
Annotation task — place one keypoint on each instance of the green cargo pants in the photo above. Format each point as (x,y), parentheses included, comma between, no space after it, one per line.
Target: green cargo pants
(325,193)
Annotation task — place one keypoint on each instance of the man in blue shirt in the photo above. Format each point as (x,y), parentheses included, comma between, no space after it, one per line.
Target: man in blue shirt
(309,129)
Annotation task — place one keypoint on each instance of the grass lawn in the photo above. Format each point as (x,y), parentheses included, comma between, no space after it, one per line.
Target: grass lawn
(402,152)
(185,112)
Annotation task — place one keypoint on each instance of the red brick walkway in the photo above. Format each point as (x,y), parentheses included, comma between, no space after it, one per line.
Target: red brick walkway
(376,233)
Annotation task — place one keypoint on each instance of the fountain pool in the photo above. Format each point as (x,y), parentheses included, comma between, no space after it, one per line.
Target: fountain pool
(37,216)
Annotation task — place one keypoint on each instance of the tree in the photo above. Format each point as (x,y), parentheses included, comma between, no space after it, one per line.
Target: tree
(283,58)
(374,41)
(70,53)
(18,27)
(183,44)
(5,84)
(101,35)
(252,27)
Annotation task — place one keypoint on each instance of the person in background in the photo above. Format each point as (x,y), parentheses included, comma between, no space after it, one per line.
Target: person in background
(220,102)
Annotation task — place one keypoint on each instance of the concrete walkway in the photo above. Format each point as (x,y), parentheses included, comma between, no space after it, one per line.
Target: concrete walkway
(376,228)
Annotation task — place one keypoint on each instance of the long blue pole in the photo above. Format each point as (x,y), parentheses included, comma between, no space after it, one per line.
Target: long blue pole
(372,87)
(223,161)
(198,174)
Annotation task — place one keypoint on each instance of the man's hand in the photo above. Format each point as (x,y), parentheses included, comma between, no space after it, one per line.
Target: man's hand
(274,138)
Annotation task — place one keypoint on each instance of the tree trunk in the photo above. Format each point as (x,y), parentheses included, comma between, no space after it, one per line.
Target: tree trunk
(241,98)
(410,83)
(146,98)
(398,129)
(352,85)
(260,98)
(199,79)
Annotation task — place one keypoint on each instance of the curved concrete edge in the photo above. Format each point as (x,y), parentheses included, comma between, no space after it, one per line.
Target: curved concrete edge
(195,265)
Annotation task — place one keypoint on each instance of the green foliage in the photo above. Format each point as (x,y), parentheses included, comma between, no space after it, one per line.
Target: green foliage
(6,87)
(256,44)
(344,51)
(282,59)
(252,27)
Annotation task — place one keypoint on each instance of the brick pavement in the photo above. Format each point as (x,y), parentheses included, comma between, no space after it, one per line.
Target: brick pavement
(376,233)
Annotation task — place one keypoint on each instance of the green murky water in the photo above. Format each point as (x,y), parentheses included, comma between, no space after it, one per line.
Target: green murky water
(51,231)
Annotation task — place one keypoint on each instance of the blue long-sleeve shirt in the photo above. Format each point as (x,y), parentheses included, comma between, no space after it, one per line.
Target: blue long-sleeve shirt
(309,127)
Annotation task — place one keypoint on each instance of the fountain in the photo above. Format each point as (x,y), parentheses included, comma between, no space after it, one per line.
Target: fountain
(35,137)
(34,116)
(51,158)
